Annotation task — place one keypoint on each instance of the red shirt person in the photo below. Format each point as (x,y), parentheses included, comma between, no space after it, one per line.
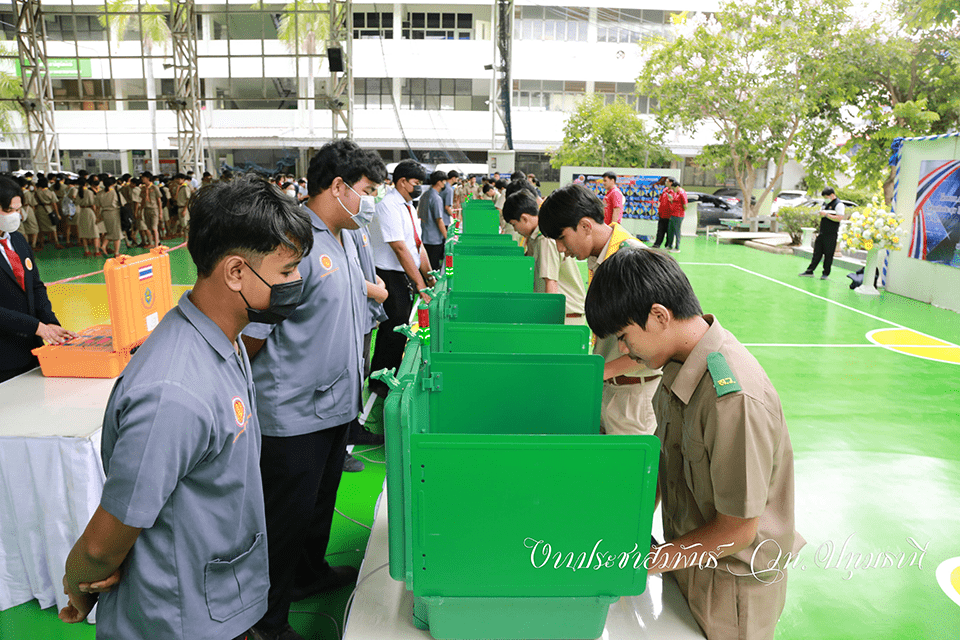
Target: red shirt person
(613,201)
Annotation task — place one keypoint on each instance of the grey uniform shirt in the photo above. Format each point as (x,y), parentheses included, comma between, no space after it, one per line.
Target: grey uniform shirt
(181,453)
(446,194)
(365,253)
(431,210)
(310,371)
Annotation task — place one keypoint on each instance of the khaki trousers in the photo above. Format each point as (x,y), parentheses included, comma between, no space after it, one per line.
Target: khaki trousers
(628,409)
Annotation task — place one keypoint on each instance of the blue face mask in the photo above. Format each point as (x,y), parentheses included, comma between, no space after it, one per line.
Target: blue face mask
(364,216)
(284,298)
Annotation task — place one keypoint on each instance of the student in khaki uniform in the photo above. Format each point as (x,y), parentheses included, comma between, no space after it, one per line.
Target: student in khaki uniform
(47,203)
(573,216)
(29,227)
(150,208)
(726,462)
(109,200)
(87,217)
(552,272)
(183,191)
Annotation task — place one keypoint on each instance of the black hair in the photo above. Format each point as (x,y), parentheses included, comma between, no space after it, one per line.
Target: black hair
(566,207)
(409,169)
(437,176)
(108,182)
(344,159)
(501,184)
(146,174)
(518,175)
(517,204)
(206,174)
(9,190)
(828,191)
(125,177)
(42,182)
(610,174)
(453,174)
(520,185)
(626,286)
(247,216)
(81,186)
(485,189)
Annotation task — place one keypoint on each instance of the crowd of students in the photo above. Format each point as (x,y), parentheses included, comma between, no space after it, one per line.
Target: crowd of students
(224,439)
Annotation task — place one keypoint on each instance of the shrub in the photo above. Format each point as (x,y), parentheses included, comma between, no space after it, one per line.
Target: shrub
(793,219)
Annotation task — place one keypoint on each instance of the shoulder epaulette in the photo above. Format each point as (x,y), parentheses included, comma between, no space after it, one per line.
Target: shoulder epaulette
(723,380)
(625,244)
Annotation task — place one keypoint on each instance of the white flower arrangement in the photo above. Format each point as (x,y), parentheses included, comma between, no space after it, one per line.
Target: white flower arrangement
(872,227)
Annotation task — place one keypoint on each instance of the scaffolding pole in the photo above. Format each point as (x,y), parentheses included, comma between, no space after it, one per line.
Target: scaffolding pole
(503,42)
(341,82)
(183,30)
(37,99)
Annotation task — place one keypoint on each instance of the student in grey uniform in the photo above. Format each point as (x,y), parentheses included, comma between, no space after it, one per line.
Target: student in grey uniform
(726,462)
(376,295)
(433,221)
(182,507)
(308,374)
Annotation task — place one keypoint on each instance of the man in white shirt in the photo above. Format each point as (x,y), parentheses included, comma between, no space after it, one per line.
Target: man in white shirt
(401,261)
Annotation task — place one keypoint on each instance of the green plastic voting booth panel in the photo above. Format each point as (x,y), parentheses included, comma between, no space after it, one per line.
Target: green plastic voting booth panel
(499,273)
(499,308)
(481,219)
(474,337)
(459,249)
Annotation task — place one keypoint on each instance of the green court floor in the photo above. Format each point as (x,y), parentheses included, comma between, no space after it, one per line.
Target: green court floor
(876,435)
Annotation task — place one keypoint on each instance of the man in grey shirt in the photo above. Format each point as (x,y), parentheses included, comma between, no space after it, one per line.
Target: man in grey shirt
(432,219)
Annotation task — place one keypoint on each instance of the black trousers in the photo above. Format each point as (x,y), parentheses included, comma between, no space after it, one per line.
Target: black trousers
(823,247)
(301,475)
(6,374)
(435,253)
(388,349)
(663,224)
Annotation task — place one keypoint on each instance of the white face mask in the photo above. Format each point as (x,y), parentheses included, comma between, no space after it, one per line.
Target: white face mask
(9,222)
(364,216)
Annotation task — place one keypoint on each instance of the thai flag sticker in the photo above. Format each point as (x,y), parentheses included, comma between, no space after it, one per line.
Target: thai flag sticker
(146,272)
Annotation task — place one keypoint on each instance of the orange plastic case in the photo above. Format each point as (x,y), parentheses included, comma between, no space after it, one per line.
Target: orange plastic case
(139,294)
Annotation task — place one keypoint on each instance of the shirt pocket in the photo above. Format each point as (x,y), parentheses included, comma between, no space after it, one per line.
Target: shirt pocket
(329,396)
(231,586)
(696,468)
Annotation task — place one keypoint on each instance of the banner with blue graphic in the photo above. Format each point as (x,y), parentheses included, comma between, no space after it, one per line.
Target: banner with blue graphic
(641,194)
(936,216)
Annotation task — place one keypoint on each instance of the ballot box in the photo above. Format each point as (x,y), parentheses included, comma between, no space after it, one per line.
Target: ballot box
(139,294)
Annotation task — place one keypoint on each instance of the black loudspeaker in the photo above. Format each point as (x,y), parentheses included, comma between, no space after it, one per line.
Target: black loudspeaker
(335,59)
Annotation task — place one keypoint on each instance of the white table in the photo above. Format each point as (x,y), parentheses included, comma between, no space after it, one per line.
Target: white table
(51,479)
(383,607)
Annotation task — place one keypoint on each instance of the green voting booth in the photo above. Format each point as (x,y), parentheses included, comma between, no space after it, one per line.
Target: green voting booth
(510,515)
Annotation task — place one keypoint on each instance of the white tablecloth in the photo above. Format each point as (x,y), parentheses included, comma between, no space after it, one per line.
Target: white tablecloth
(51,479)
(383,607)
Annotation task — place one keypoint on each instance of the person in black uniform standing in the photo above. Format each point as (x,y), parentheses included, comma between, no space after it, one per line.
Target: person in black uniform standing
(26,318)
(826,242)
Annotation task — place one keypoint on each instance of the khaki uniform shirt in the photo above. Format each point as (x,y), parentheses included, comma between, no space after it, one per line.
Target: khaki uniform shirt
(183,195)
(151,199)
(608,347)
(549,264)
(725,448)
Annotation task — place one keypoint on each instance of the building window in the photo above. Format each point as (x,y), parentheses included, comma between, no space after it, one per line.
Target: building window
(86,94)
(444,94)
(631,25)
(626,91)
(438,26)
(67,27)
(564,24)
(372,93)
(547,95)
(372,25)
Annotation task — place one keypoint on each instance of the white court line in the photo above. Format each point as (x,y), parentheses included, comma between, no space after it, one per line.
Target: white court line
(832,346)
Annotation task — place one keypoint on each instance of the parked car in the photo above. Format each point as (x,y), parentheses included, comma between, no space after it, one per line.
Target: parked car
(788,198)
(733,196)
(817,203)
(711,209)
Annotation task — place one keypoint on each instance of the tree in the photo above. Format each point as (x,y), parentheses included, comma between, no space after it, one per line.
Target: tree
(304,28)
(757,82)
(154,30)
(904,82)
(608,135)
(11,90)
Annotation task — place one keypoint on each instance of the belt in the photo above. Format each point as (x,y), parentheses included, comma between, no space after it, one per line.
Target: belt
(622,380)
(574,315)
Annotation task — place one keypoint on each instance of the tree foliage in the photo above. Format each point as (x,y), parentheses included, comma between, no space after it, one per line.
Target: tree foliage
(11,89)
(608,135)
(753,74)
(902,81)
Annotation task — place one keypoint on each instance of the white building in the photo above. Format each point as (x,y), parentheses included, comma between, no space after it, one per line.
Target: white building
(419,82)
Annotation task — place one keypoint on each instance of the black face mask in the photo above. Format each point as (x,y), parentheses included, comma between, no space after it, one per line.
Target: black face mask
(284,298)
(417,190)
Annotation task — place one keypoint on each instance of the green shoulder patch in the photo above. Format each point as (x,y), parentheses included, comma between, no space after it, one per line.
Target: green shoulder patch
(723,380)
(624,245)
